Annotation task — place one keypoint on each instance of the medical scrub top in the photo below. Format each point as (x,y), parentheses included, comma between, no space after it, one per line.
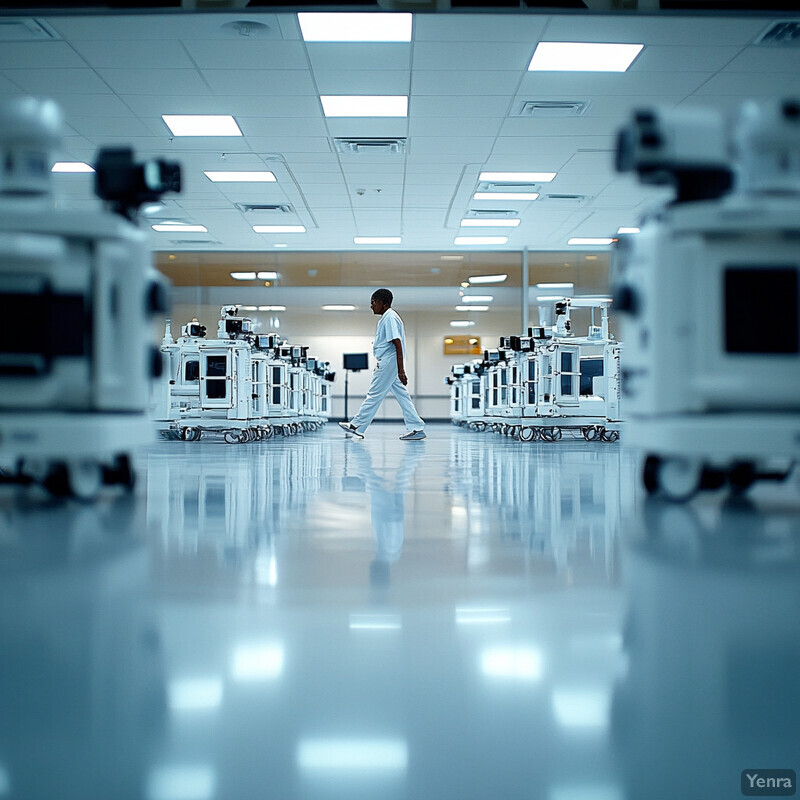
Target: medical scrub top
(390,326)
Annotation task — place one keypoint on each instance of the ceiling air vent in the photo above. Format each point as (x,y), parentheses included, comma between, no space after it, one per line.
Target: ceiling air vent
(26,29)
(492,213)
(488,186)
(270,208)
(360,147)
(550,108)
(781,34)
(566,199)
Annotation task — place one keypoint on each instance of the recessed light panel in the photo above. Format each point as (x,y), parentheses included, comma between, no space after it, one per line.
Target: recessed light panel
(201,124)
(517,177)
(461,323)
(239,177)
(71,166)
(342,105)
(479,298)
(345,27)
(583,57)
(505,195)
(338,308)
(272,308)
(279,228)
(599,242)
(180,228)
(488,278)
(627,230)
(480,240)
(243,276)
(268,276)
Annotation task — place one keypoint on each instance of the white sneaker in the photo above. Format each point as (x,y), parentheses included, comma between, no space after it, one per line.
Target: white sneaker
(412,436)
(351,429)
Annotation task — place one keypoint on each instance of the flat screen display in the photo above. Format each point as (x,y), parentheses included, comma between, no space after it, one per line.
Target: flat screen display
(356,361)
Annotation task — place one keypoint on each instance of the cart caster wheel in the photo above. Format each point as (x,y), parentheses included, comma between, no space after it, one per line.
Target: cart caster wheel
(120,473)
(742,476)
(609,436)
(57,480)
(676,479)
(230,437)
(526,434)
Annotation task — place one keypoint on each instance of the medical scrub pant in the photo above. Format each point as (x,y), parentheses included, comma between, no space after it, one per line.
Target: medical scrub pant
(385,380)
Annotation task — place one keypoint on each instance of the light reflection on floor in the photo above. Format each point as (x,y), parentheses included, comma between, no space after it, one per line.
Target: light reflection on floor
(467,617)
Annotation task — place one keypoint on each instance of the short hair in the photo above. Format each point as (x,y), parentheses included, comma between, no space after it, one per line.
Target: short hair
(384,295)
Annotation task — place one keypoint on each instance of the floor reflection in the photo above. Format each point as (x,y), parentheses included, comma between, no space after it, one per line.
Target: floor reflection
(82,700)
(713,646)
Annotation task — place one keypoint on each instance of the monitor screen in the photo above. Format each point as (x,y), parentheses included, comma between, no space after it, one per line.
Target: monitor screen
(355,361)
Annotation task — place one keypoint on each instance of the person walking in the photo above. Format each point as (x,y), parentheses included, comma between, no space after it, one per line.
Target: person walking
(389,348)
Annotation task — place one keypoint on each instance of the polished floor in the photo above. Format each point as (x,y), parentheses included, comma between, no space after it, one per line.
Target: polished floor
(464,617)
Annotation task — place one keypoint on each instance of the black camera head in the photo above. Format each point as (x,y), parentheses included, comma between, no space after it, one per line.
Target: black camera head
(126,185)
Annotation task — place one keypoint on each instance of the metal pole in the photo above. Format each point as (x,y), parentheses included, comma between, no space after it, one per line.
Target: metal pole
(346,379)
(525,284)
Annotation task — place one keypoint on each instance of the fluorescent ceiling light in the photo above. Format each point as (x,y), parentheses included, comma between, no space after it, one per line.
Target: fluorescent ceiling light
(521,663)
(376,622)
(181,782)
(279,228)
(472,308)
(583,57)
(268,276)
(240,177)
(257,662)
(173,228)
(451,258)
(489,223)
(581,708)
(555,285)
(201,694)
(348,755)
(372,105)
(248,308)
(201,124)
(71,166)
(517,177)
(376,240)
(478,298)
(344,27)
(482,616)
(280,245)
(338,308)
(505,195)
(272,308)
(461,323)
(488,279)
(243,276)
(627,230)
(468,240)
(590,241)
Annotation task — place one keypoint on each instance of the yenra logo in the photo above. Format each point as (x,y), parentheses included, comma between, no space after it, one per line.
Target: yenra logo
(769,782)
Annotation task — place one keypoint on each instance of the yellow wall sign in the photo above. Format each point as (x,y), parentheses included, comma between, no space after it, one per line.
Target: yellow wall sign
(462,346)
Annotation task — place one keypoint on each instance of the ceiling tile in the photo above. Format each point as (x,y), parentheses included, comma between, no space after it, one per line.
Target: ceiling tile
(579,84)
(744,85)
(259,55)
(479,27)
(468,56)
(470,84)
(655,58)
(286,83)
(369,82)
(134,54)
(341,56)
(23,55)
(110,126)
(766,59)
(458,107)
(454,126)
(367,127)
(424,145)
(50,83)
(154,81)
